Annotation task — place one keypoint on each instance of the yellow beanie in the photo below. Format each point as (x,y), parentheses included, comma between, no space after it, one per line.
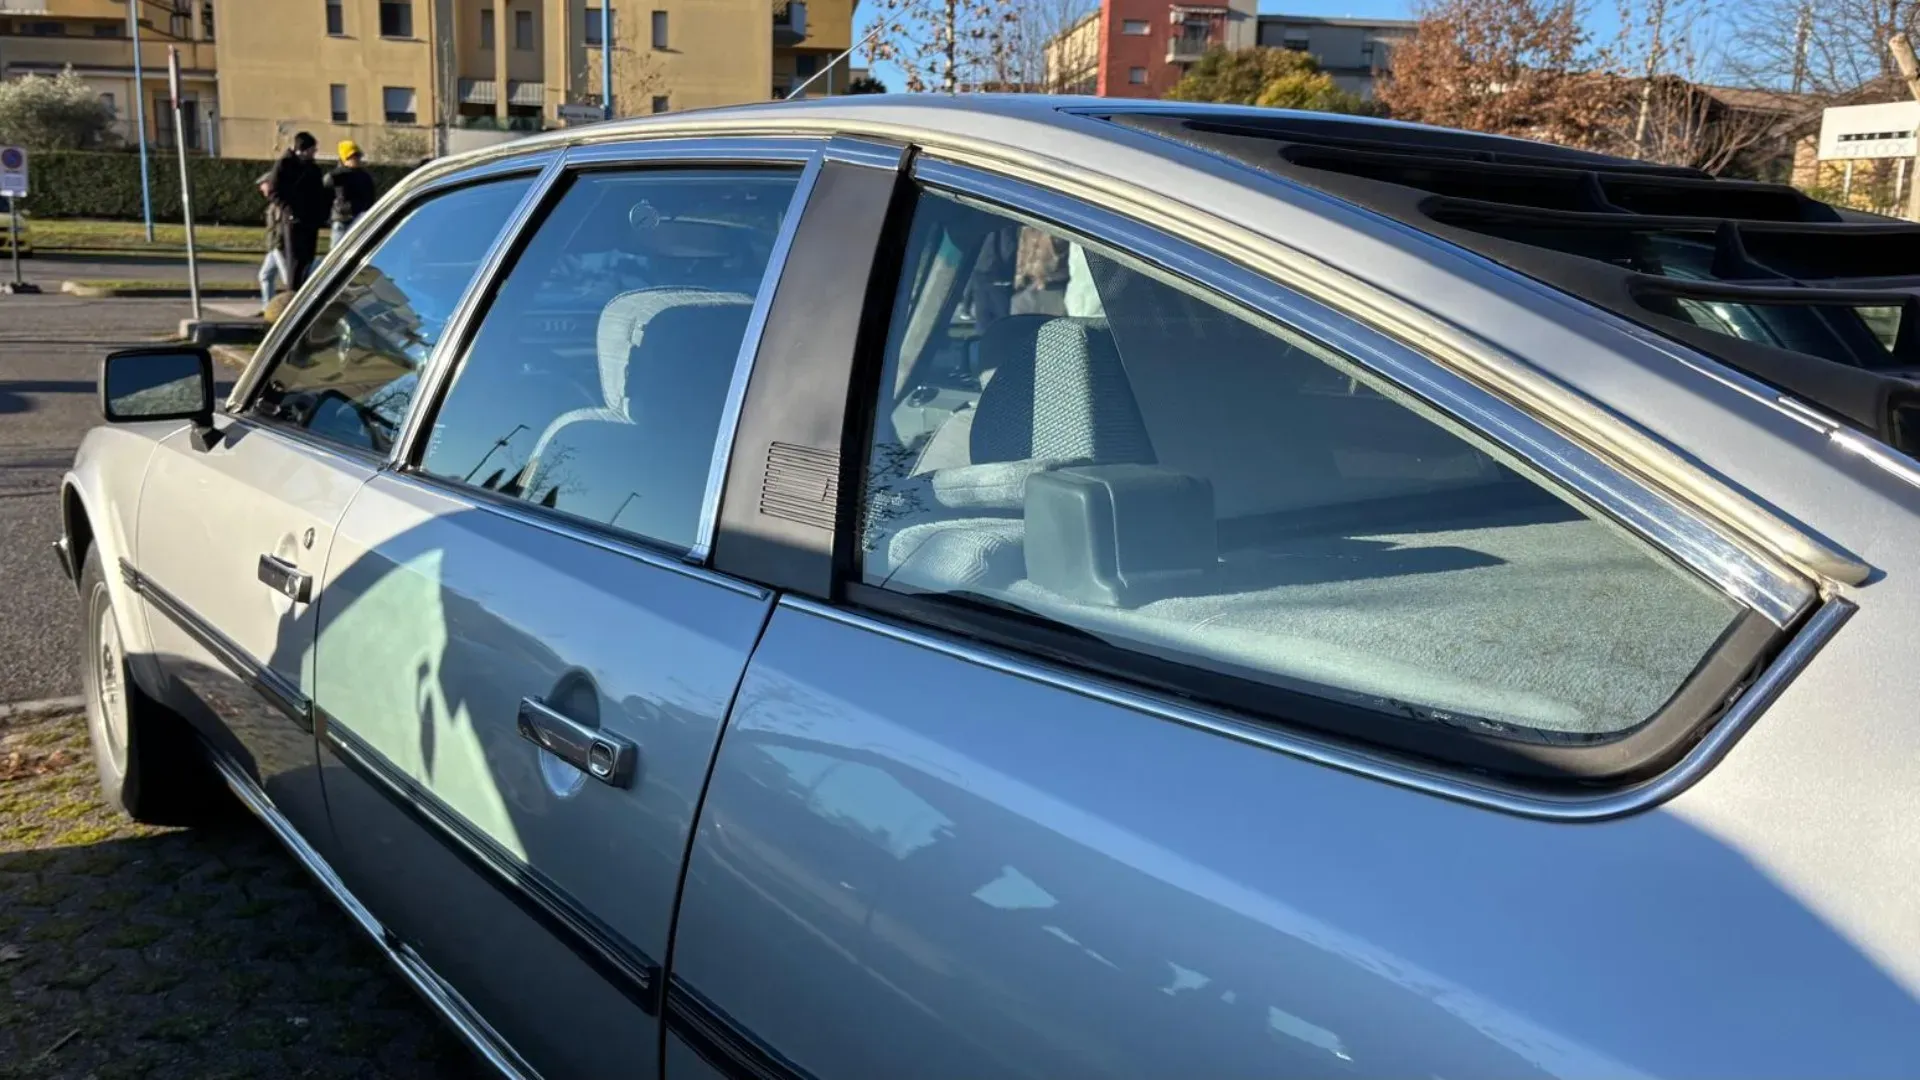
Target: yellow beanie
(348,148)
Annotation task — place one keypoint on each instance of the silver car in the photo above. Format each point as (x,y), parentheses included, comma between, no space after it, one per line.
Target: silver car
(1059,588)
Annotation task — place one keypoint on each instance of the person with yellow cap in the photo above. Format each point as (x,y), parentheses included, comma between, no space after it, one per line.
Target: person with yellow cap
(352,187)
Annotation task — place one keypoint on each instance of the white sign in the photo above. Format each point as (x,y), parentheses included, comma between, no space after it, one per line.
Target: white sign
(1869,131)
(580,112)
(13,171)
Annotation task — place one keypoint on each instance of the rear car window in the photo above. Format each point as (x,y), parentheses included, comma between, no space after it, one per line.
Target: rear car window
(1066,438)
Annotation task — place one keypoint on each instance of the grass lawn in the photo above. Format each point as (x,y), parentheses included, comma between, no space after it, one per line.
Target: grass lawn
(76,235)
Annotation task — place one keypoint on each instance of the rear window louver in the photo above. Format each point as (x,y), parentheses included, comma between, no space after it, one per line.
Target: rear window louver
(1818,303)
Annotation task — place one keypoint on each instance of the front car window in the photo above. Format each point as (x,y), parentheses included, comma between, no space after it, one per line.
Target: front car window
(1067,438)
(596,381)
(350,374)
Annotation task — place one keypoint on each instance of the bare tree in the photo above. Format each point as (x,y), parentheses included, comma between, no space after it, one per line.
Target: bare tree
(1832,49)
(1665,60)
(945,45)
(1036,23)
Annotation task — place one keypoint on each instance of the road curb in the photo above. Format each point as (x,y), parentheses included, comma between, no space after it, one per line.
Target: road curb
(41,709)
(82,288)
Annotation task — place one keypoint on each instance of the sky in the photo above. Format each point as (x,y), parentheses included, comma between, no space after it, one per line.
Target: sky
(1359,9)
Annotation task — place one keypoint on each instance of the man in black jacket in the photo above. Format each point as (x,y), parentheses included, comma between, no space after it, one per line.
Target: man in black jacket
(352,187)
(300,193)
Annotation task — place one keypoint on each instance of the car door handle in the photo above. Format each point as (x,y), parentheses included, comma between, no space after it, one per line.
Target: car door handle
(286,579)
(606,757)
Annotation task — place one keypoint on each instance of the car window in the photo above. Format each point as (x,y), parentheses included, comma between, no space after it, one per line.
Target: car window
(1157,470)
(596,381)
(350,374)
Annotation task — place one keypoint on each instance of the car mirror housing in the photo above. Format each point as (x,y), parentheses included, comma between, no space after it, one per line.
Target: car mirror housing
(169,382)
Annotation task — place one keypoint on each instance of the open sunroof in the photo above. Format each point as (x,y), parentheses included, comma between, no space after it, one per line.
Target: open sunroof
(1821,303)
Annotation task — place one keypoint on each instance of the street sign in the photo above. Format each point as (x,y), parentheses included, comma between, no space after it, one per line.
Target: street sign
(13,171)
(580,112)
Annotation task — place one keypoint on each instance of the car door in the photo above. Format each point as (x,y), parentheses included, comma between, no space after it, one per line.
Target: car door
(233,536)
(1167,718)
(522,665)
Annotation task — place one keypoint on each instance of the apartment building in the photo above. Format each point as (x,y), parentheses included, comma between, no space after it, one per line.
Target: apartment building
(95,39)
(1141,48)
(807,35)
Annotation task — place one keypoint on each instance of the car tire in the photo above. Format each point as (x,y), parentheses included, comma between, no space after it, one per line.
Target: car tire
(151,765)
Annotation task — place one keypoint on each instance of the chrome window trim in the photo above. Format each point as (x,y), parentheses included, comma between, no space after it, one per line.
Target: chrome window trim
(1719,738)
(328,273)
(718,149)
(453,338)
(756,328)
(612,540)
(1759,583)
(851,150)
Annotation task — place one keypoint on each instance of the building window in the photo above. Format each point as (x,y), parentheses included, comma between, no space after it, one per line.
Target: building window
(180,22)
(106,102)
(1295,41)
(206,20)
(400,105)
(47,29)
(486,28)
(337,93)
(660,103)
(1137,76)
(111,30)
(1135,27)
(592,28)
(659,29)
(523,30)
(805,64)
(1370,55)
(336,17)
(396,18)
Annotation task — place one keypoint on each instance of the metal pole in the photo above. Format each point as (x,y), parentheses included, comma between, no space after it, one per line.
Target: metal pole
(1903,58)
(186,181)
(13,213)
(606,59)
(140,118)
(879,25)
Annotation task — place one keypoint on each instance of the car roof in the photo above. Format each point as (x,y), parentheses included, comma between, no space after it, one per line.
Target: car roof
(1722,438)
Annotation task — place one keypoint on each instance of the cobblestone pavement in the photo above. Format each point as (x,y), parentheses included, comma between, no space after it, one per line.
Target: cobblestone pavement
(131,951)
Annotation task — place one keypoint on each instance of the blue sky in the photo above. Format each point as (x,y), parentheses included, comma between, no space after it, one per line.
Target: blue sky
(1359,9)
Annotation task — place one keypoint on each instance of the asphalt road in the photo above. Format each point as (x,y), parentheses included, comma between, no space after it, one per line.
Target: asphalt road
(50,350)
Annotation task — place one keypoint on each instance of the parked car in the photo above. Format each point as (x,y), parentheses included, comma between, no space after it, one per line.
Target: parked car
(1060,588)
(6,230)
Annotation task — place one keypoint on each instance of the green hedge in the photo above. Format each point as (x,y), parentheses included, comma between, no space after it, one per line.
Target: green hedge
(86,184)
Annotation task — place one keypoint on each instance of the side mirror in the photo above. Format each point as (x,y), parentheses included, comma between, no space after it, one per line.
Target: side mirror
(163,382)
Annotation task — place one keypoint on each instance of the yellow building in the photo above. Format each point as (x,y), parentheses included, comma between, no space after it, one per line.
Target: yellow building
(408,78)
(93,37)
(1073,58)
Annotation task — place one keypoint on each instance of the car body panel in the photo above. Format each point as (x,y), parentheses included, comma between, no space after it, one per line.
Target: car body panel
(439,616)
(254,493)
(1009,878)
(104,485)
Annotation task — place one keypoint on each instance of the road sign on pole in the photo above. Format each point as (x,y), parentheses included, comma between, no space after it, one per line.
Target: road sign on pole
(13,186)
(580,112)
(13,171)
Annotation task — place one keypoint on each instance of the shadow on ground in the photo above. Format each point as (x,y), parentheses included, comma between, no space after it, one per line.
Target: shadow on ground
(128,951)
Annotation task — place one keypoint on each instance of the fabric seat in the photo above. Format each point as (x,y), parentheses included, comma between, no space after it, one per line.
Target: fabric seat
(1059,396)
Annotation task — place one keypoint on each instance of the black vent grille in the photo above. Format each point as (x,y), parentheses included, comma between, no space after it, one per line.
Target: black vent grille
(802,485)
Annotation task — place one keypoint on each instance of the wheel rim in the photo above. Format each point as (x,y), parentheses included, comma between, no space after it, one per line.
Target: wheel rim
(109,687)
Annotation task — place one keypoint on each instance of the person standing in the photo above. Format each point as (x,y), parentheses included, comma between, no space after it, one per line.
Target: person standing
(273,268)
(352,187)
(300,192)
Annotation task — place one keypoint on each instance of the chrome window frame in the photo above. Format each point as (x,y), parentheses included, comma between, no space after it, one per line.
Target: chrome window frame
(558,166)
(1751,579)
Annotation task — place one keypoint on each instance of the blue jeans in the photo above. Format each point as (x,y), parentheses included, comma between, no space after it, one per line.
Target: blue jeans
(272,268)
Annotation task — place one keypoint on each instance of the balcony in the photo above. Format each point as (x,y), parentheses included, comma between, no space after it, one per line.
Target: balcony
(790,23)
(1182,49)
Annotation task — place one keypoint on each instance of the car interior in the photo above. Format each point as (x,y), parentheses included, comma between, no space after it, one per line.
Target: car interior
(1077,440)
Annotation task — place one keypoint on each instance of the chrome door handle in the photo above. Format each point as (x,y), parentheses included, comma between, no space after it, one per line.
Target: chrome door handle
(606,757)
(286,579)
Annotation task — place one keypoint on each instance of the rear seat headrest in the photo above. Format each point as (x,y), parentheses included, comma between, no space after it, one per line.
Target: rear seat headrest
(1059,392)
